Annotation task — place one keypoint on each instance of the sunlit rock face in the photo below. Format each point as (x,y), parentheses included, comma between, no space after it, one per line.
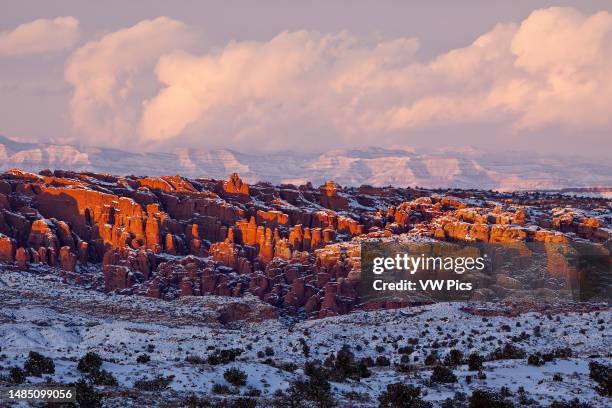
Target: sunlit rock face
(296,247)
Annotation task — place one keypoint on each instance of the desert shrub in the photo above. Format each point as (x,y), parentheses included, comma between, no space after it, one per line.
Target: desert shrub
(382,361)
(157,383)
(143,358)
(562,352)
(89,363)
(507,352)
(269,351)
(575,403)
(103,377)
(289,367)
(489,399)
(404,368)
(252,392)
(37,365)
(431,359)
(357,396)
(400,395)
(475,361)
(458,400)
(405,350)
(368,361)
(305,347)
(602,375)
(241,402)
(17,375)
(288,398)
(315,389)
(221,389)
(453,358)
(193,401)
(343,365)
(441,374)
(535,360)
(86,395)
(193,359)
(224,356)
(235,376)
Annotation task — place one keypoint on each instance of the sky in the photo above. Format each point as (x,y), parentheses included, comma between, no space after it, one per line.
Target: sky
(309,76)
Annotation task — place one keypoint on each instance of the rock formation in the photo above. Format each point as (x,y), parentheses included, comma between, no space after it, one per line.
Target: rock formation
(294,247)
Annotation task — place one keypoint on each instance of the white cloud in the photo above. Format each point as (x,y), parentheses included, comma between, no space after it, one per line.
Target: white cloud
(40,36)
(103,73)
(310,90)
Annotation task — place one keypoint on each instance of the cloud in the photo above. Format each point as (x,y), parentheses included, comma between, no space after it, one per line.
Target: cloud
(40,36)
(306,89)
(310,90)
(104,106)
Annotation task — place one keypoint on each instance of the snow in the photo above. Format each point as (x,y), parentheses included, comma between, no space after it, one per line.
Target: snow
(64,322)
(379,167)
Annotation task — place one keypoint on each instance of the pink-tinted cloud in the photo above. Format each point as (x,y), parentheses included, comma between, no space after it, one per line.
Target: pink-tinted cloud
(40,36)
(310,90)
(103,73)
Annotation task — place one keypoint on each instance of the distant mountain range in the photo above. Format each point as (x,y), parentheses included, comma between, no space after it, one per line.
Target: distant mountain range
(444,168)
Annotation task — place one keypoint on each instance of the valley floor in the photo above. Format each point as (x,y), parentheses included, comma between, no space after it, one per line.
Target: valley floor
(40,313)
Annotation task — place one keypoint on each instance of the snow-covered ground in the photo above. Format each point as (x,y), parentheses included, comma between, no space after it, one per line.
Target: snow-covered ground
(40,313)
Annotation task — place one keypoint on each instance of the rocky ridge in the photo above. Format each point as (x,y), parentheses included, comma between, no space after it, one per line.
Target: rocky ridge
(295,247)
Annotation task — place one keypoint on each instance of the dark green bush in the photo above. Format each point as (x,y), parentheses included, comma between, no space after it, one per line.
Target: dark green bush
(507,352)
(17,375)
(143,358)
(37,365)
(86,395)
(400,395)
(157,383)
(475,361)
(575,403)
(235,377)
(224,356)
(89,363)
(431,359)
(602,375)
(382,361)
(103,377)
(489,399)
(316,389)
(453,358)
(535,360)
(221,389)
(441,374)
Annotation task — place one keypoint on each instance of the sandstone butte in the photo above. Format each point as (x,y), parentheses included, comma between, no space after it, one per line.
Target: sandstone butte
(294,247)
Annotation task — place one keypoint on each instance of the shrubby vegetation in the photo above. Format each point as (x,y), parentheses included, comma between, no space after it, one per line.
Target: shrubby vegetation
(489,399)
(314,388)
(224,356)
(37,365)
(157,383)
(475,361)
(89,363)
(441,374)
(235,377)
(602,375)
(400,395)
